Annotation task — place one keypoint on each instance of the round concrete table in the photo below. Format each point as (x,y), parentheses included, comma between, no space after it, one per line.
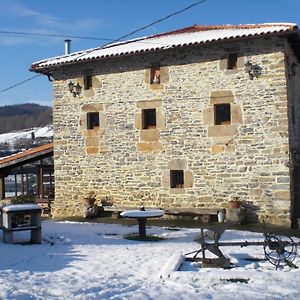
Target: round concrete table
(142,215)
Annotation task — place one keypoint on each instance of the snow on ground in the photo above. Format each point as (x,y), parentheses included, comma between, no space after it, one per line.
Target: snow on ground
(94,261)
(39,132)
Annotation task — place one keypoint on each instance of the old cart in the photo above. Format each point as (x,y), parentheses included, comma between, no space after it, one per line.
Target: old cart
(279,249)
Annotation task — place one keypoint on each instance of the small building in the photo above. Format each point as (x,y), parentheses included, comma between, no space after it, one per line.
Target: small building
(186,119)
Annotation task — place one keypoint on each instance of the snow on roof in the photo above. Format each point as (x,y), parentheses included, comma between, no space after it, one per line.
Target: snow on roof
(178,38)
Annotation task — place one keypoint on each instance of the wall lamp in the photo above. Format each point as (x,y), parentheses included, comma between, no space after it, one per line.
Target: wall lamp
(253,70)
(74,89)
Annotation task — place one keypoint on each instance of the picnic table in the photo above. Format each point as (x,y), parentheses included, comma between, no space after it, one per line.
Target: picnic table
(142,215)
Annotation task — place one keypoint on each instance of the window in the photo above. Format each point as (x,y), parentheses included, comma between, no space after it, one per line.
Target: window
(155,75)
(88,82)
(92,120)
(149,118)
(232,61)
(176,179)
(222,114)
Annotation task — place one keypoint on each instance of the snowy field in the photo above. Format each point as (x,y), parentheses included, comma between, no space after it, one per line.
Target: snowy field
(39,132)
(94,261)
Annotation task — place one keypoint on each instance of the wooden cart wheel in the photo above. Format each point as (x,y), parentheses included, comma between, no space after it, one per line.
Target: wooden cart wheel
(280,250)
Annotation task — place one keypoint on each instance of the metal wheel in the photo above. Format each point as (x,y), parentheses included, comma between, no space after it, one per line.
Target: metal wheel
(280,250)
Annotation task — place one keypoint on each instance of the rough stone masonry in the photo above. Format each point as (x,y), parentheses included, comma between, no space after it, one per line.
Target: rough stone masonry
(247,156)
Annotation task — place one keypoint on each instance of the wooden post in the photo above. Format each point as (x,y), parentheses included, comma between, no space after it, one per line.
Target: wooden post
(22,181)
(2,187)
(16,185)
(27,184)
(41,179)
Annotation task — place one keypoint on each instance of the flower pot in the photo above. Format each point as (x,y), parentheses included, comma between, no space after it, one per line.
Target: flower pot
(234,204)
(89,201)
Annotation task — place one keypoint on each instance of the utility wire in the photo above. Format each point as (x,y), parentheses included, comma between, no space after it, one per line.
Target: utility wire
(55,35)
(19,83)
(160,20)
(112,41)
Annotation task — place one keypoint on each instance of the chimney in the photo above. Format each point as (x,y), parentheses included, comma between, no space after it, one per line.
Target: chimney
(67,47)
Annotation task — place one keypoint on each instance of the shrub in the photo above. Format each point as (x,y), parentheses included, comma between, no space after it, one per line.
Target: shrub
(23,199)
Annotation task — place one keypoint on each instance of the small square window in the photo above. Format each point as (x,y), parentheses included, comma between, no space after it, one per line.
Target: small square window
(222,114)
(92,120)
(232,61)
(155,75)
(176,179)
(88,82)
(149,118)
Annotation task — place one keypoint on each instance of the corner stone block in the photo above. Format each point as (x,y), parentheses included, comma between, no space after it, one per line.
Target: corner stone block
(165,180)
(188,179)
(92,107)
(92,150)
(147,76)
(217,97)
(149,135)
(240,62)
(155,103)
(148,146)
(177,164)
(96,82)
(223,64)
(236,114)
(283,195)
(92,142)
(164,74)
(215,149)
(80,81)
(208,116)
(222,130)
(138,120)
(160,120)
(102,118)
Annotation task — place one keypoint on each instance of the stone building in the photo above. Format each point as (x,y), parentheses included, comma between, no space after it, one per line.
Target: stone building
(186,119)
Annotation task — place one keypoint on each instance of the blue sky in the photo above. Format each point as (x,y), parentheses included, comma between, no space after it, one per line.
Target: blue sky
(108,19)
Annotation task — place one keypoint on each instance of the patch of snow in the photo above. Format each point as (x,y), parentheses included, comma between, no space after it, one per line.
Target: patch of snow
(39,132)
(19,207)
(151,213)
(94,261)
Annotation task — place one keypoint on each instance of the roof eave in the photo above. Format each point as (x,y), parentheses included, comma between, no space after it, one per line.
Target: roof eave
(286,33)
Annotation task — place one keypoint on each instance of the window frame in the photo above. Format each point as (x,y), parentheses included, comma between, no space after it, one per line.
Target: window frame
(176,179)
(222,118)
(92,120)
(147,121)
(232,60)
(88,82)
(155,71)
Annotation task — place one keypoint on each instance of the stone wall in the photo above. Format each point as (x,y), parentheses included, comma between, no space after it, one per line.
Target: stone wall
(128,165)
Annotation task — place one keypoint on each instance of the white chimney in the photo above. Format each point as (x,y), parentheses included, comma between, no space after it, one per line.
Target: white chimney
(67,47)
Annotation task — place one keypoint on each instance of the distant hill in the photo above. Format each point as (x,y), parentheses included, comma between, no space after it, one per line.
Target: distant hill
(23,116)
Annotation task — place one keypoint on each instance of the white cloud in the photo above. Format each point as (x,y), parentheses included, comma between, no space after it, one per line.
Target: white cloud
(41,23)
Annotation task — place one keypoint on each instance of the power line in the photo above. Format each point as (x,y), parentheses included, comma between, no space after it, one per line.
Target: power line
(55,35)
(19,83)
(160,20)
(112,41)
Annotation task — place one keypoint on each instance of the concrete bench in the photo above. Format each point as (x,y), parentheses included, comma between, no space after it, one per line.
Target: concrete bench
(21,217)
